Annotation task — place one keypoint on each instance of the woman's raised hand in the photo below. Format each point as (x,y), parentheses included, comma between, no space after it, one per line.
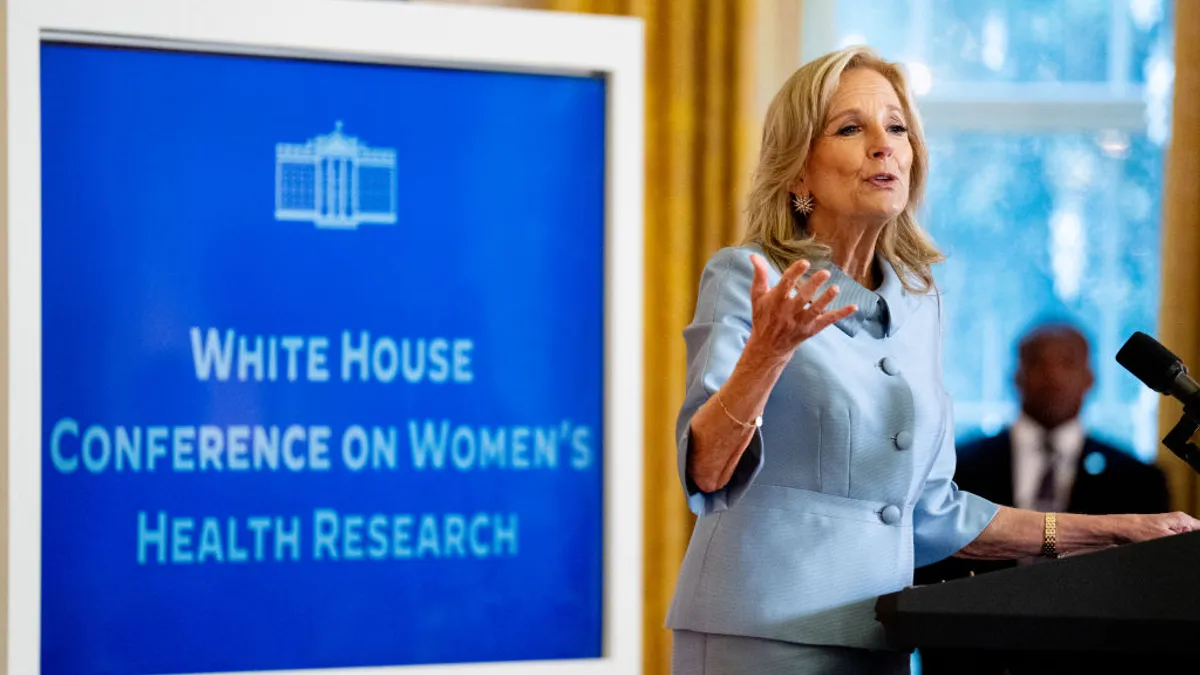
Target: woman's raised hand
(782,319)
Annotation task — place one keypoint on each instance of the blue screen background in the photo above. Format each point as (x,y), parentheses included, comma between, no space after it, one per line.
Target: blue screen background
(158,197)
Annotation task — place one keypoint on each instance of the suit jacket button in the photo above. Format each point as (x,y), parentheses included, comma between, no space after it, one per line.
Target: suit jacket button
(889,366)
(903,440)
(890,515)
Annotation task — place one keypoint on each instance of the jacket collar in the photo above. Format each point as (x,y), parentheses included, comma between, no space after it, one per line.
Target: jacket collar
(890,305)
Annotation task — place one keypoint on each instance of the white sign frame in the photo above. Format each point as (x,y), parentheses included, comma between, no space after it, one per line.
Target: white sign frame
(350,30)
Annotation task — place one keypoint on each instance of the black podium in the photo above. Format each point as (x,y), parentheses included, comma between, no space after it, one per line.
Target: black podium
(1133,608)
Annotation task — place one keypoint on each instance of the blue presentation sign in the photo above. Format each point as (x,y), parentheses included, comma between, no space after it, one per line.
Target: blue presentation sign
(322,363)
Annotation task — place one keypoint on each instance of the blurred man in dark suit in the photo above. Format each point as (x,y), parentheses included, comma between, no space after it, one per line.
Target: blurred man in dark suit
(1046,462)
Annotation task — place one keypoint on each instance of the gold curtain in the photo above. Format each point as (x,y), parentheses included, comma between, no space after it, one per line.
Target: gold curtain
(1179,323)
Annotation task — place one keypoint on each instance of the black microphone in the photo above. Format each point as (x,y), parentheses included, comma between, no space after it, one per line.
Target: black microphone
(1163,372)
(1159,369)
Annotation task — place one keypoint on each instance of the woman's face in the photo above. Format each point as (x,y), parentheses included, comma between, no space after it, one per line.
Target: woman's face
(858,167)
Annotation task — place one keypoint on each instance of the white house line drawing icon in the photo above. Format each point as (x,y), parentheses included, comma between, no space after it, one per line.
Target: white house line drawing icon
(335,181)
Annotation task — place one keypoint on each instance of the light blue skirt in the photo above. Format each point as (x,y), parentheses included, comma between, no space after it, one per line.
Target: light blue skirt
(710,654)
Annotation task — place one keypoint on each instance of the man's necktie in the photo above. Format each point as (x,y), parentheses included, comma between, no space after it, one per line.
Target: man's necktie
(1045,500)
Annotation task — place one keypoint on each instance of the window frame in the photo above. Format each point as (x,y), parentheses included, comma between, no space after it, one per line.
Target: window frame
(1114,105)
(1117,106)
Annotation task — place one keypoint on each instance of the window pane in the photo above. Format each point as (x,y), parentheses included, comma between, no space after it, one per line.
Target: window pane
(1037,226)
(1015,41)
(1151,23)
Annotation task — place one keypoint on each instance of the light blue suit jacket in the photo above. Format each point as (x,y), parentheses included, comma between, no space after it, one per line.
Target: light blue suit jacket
(845,488)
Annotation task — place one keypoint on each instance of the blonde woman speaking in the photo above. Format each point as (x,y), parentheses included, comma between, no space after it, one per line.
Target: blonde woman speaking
(816,438)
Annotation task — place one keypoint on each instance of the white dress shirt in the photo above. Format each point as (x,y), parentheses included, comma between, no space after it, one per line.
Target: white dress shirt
(1029,460)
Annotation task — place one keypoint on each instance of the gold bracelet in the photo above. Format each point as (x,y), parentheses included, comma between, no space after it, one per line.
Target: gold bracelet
(748,425)
(1050,536)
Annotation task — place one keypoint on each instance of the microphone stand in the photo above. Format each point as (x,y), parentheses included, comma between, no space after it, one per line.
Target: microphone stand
(1179,439)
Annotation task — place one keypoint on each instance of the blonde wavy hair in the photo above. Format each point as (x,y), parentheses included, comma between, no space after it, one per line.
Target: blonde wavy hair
(795,118)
